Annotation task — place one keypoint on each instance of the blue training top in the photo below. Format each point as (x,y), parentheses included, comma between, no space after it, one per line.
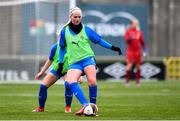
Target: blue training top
(91,34)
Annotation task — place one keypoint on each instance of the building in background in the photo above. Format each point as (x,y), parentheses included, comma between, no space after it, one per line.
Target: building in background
(162,27)
(28,29)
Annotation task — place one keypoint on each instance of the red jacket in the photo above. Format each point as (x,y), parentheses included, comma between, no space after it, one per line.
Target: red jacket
(134,39)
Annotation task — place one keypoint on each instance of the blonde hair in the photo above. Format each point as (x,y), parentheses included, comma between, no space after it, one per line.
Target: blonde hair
(72,10)
(135,21)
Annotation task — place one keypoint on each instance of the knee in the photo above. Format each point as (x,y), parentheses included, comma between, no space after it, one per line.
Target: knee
(47,83)
(92,81)
(128,68)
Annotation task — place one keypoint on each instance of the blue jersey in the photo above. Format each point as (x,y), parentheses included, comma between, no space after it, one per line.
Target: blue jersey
(53,52)
(92,35)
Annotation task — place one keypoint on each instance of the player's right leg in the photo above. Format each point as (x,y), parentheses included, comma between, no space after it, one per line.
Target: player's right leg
(129,65)
(69,94)
(89,68)
(128,73)
(48,80)
(73,75)
(90,72)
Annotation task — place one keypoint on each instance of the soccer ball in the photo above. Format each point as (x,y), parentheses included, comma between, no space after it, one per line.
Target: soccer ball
(90,109)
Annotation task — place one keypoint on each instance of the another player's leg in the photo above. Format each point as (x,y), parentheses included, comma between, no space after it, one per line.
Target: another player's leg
(68,97)
(47,82)
(68,94)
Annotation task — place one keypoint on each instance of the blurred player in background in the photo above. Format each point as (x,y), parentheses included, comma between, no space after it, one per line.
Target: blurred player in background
(51,77)
(75,39)
(135,44)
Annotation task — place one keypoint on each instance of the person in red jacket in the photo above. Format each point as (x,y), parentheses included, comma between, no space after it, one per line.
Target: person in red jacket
(135,44)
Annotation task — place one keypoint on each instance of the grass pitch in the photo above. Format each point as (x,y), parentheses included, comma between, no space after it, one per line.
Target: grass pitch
(152,101)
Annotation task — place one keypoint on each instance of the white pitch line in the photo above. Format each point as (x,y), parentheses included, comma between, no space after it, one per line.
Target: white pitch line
(138,94)
(28,95)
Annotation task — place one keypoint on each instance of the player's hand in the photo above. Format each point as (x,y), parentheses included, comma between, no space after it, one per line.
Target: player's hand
(80,80)
(38,76)
(60,68)
(145,52)
(116,49)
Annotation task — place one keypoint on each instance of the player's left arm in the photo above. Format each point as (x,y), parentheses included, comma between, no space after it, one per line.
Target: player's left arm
(95,38)
(143,44)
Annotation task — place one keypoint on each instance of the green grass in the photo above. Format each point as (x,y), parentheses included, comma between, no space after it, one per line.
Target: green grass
(152,101)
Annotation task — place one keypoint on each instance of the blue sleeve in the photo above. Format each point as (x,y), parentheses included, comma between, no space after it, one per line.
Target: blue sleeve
(53,51)
(92,35)
(95,38)
(105,44)
(62,44)
(61,54)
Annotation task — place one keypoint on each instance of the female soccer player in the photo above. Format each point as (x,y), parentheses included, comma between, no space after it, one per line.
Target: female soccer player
(51,78)
(135,44)
(75,39)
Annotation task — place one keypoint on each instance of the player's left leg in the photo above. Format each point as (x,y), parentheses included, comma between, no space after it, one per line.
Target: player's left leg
(90,72)
(138,72)
(89,65)
(138,61)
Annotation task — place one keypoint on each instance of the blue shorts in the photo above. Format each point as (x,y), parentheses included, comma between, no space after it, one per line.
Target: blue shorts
(55,73)
(80,65)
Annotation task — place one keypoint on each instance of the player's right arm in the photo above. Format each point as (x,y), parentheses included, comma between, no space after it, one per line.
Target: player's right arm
(48,62)
(62,51)
(62,44)
(145,50)
(127,37)
(44,68)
